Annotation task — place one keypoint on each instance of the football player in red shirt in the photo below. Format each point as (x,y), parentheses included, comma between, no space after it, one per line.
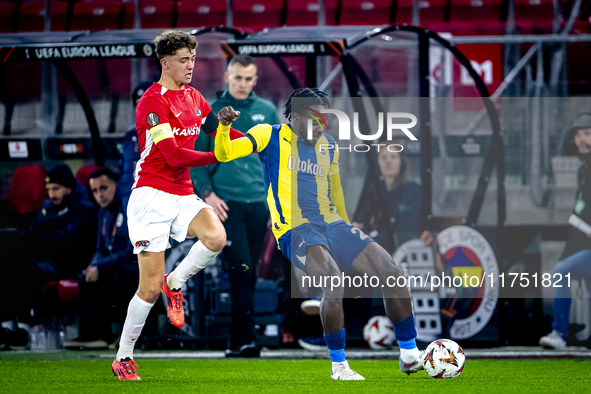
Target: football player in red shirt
(169,117)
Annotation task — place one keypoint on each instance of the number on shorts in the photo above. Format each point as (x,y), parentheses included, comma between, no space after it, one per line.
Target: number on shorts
(362,235)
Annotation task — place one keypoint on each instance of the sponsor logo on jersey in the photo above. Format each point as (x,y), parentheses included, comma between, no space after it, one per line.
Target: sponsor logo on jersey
(198,112)
(190,131)
(295,163)
(258,117)
(140,244)
(152,119)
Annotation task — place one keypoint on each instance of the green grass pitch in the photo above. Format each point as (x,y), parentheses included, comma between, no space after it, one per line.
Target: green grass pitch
(30,375)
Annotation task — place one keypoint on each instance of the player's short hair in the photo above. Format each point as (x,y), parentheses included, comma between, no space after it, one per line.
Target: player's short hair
(243,60)
(104,171)
(169,41)
(306,98)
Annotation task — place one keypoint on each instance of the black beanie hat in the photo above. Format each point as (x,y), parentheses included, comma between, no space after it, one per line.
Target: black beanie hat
(61,175)
(139,90)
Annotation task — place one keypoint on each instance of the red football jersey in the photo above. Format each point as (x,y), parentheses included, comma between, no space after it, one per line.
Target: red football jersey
(185,110)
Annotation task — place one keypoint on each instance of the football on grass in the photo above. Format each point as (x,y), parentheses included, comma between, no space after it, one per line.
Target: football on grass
(379,333)
(444,359)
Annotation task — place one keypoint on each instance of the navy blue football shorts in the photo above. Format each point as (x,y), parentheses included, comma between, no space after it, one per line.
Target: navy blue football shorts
(344,242)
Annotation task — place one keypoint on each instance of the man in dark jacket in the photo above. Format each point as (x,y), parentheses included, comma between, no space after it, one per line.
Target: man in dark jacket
(60,242)
(130,150)
(236,192)
(112,277)
(576,258)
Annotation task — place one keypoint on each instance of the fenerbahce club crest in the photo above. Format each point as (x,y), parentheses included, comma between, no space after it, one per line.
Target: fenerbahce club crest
(457,251)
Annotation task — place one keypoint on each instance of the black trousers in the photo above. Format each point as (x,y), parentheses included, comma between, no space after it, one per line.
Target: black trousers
(245,231)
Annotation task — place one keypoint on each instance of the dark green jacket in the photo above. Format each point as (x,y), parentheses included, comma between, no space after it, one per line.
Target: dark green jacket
(238,180)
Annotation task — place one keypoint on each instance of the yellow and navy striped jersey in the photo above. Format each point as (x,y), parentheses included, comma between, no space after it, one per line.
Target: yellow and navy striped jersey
(302,180)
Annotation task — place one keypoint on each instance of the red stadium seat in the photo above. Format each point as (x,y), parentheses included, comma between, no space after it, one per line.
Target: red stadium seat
(97,15)
(89,75)
(27,192)
(119,72)
(533,14)
(7,10)
(83,174)
(157,14)
(430,11)
(255,15)
(32,15)
(197,13)
(128,14)
(366,12)
(305,12)
(478,16)
(67,290)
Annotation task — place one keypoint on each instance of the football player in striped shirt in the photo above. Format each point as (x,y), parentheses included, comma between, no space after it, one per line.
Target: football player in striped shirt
(310,223)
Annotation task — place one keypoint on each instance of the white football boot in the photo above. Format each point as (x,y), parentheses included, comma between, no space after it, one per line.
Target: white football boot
(413,367)
(342,371)
(553,340)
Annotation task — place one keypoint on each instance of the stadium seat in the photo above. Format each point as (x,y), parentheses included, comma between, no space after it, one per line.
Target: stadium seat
(26,195)
(128,14)
(32,15)
(83,174)
(119,72)
(157,14)
(430,11)
(7,10)
(27,191)
(533,14)
(197,13)
(97,15)
(477,16)
(255,15)
(67,290)
(305,12)
(366,12)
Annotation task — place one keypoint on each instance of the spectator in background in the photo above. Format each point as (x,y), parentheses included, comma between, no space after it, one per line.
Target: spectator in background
(131,149)
(60,243)
(576,258)
(112,277)
(404,198)
(236,192)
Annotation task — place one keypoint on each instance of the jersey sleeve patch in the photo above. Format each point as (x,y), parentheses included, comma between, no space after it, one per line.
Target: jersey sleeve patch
(161,132)
(152,119)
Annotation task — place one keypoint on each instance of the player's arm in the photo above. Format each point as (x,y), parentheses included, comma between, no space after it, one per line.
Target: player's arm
(336,190)
(227,149)
(174,155)
(210,126)
(158,125)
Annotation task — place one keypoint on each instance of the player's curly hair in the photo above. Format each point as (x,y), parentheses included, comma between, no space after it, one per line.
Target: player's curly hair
(310,96)
(170,40)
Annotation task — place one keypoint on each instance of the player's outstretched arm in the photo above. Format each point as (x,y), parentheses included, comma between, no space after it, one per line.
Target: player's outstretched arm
(176,156)
(227,149)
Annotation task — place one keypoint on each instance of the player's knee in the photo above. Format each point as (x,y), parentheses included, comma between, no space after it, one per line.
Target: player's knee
(149,295)
(215,239)
(396,270)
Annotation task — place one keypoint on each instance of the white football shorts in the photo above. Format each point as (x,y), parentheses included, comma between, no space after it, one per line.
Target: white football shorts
(154,215)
